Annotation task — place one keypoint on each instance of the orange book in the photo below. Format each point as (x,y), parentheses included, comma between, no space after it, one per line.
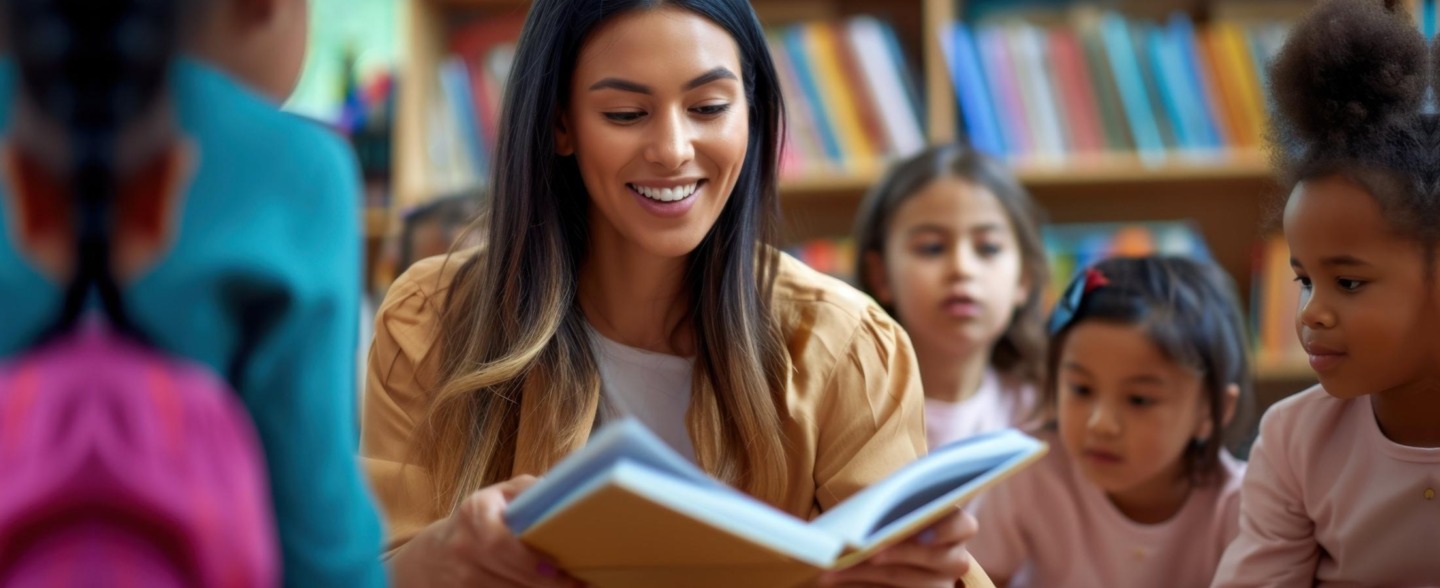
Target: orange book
(1237,66)
(626,510)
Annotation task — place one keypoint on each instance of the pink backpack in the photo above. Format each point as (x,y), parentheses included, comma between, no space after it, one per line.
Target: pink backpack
(122,466)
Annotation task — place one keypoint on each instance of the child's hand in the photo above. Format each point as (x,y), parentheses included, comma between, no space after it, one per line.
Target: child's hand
(934,558)
(473,547)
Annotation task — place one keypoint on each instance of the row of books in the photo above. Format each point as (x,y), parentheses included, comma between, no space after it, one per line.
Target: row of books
(850,95)
(835,75)
(1103,82)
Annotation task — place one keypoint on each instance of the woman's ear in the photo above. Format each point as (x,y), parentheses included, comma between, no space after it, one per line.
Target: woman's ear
(40,221)
(564,139)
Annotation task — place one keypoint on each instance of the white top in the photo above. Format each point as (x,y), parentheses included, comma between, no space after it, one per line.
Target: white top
(652,387)
(999,403)
(1330,501)
(1049,526)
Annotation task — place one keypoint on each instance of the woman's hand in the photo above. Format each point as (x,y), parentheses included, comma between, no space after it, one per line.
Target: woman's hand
(934,558)
(473,547)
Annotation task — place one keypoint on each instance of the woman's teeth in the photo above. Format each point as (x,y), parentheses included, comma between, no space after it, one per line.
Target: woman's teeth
(666,194)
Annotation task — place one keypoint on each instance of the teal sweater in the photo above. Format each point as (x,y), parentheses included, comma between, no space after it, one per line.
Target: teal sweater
(262,285)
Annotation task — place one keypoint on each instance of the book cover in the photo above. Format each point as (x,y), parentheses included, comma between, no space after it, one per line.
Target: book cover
(1075,89)
(482,44)
(1118,136)
(1224,95)
(628,511)
(906,86)
(804,150)
(1145,38)
(1000,72)
(839,95)
(858,86)
(803,66)
(1124,62)
(978,114)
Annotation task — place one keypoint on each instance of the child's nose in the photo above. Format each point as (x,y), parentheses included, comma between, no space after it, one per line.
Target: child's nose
(1104,421)
(1315,313)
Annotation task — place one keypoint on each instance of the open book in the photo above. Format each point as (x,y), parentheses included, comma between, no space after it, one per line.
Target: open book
(628,511)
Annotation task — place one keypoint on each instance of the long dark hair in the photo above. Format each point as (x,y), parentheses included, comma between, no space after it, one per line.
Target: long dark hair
(1189,310)
(512,319)
(91,69)
(1020,352)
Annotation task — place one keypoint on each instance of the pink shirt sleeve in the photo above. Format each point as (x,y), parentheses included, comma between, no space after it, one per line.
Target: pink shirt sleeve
(1276,545)
(1000,546)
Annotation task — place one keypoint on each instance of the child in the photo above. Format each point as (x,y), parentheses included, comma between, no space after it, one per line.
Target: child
(1147,362)
(949,246)
(1342,484)
(255,273)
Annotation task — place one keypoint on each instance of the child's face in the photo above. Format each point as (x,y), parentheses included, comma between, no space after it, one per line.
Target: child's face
(952,268)
(1363,312)
(658,123)
(1126,411)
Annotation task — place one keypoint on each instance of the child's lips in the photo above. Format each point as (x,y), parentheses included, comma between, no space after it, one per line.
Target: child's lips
(1323,358)
(1102,457)
(963,307)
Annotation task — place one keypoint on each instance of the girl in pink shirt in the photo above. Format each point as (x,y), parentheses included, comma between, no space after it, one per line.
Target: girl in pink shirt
(1147,363)
(1342,484)
(949,245)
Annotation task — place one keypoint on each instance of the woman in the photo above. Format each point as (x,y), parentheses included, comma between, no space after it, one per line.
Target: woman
(626,271)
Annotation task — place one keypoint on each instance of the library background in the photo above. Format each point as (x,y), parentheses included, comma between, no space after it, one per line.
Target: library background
(1137,124)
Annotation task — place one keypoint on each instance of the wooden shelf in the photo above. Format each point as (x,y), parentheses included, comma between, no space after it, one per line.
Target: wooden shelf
(818,183)
(1129,168)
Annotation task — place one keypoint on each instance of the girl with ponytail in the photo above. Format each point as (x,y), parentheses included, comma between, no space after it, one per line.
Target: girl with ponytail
(1341,487)
(152,184)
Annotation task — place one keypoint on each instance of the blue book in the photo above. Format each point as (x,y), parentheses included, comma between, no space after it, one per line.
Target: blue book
(805,71)
(455,82)
(981,120)
(626,510)
(1122,55)
(1196,82)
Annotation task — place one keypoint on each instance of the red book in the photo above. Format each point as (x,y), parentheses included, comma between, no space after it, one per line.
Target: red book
(1073,81)
(478,43)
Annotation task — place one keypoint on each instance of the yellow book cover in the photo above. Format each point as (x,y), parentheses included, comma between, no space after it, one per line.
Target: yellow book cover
(628,511)
(835,88)
(1241,69)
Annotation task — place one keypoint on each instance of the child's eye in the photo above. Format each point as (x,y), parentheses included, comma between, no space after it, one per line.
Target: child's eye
(711,109)
(988,249)
(624,117)
(1304,282)
(1349,285)
(928,249)
(1080,390)
(1141,401)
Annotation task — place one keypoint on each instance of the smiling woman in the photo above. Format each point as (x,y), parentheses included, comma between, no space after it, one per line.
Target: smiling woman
(627,271)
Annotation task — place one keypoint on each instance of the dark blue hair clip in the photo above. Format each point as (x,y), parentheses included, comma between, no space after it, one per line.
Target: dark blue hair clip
(1069,302)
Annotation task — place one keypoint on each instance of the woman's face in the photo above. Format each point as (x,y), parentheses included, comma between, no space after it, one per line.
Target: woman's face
(658,124)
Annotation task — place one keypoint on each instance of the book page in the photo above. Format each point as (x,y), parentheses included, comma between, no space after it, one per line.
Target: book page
(927,489)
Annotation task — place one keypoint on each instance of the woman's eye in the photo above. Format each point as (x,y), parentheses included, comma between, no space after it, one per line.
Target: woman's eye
(624,117)
(711,109)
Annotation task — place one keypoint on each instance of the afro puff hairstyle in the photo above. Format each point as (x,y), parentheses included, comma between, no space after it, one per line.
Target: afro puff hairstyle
(1350,87)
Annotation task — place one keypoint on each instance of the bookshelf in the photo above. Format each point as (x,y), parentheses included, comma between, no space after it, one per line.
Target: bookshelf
(1230,195)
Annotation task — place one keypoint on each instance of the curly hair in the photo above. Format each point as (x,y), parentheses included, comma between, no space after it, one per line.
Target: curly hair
(1350,87)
